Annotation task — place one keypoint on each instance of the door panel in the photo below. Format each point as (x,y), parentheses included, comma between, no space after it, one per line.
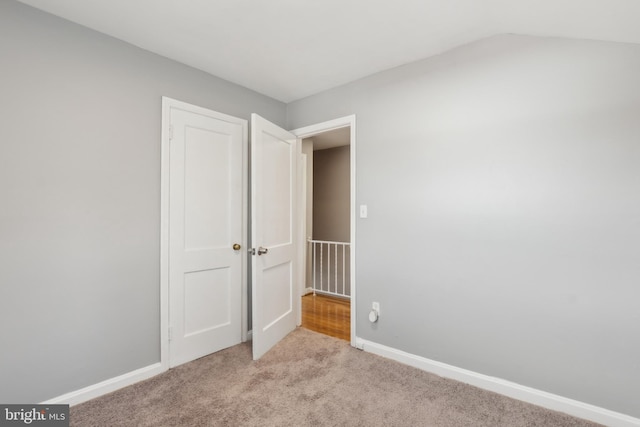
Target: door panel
(207,296)
(207,181)
(205,220)
(275,182)
(278,301)
(274,155)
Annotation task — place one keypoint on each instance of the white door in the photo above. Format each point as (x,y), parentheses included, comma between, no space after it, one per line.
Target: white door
(205,223)
(274,180)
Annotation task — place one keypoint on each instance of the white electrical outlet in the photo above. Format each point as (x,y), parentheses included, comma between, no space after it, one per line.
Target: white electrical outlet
(376,307)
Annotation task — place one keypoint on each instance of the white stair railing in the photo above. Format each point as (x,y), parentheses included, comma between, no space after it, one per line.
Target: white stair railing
(330,268)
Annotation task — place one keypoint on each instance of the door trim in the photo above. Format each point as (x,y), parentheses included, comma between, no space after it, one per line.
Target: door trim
(309,131)
(167,105)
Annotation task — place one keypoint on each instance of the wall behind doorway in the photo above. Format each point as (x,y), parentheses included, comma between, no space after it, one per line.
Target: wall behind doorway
(331,194)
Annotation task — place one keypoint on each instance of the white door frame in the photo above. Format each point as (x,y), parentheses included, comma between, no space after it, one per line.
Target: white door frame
(307,132)
(302,255)
(167,105)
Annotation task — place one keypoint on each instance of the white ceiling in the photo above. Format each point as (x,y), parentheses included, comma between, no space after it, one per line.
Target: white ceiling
(289,49)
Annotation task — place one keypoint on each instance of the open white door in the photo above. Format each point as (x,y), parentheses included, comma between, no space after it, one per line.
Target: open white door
(274,180)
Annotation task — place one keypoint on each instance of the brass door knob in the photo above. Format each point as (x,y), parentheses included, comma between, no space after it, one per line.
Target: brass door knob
(236,247)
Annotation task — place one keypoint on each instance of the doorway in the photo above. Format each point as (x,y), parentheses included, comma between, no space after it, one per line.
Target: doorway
(328,288)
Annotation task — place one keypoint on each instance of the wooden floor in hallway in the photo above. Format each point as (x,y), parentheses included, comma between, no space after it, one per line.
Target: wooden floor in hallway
(327,315)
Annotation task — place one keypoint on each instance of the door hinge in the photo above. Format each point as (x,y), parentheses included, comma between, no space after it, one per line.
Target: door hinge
(170,333)
(170,132)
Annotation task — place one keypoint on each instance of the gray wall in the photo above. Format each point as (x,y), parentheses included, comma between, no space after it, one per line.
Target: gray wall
(331,194)
(502,180)
(80,194)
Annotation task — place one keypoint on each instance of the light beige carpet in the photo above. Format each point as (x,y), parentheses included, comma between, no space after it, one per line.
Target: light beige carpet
(308,379)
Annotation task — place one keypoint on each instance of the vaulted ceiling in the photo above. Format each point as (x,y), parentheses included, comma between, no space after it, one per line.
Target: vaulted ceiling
(289,49)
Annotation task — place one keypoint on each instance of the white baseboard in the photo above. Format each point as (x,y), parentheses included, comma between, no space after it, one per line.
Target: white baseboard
(113,384)
(107,386)
(507,388)
(308,290)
